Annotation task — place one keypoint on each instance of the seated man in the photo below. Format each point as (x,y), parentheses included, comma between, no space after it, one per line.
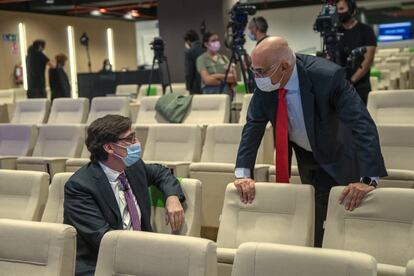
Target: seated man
(111,192)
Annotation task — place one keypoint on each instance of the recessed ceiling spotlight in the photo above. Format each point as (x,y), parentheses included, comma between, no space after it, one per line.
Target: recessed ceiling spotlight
(95,13)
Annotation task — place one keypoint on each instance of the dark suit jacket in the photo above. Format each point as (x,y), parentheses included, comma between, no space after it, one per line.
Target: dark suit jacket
(342,134)
(192,77)
(59,83)
(90,205)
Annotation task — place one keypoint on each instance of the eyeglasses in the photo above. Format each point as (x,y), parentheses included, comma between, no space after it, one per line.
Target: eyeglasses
(261,73)
(129,139)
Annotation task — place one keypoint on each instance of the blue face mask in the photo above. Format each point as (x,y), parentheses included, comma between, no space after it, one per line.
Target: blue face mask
(134,154)
(251,36)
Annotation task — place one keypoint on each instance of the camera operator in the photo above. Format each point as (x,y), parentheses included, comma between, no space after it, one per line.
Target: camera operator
(356,34)
(258,29)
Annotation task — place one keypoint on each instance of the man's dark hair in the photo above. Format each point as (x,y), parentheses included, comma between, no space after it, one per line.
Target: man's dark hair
(191,36)
(105,130)
(206,37)
(260,23)
(38,43)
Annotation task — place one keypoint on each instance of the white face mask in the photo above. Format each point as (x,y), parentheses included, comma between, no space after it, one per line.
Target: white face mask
(265,84)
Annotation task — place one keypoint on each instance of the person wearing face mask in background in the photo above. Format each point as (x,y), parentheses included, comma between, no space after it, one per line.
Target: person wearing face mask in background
(193,50)
(36,62)
(111,192)
(212,67)
(106,66)
(315,111)
(356,34)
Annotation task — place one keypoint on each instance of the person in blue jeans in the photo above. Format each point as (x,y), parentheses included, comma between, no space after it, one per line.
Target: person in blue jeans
(212,67)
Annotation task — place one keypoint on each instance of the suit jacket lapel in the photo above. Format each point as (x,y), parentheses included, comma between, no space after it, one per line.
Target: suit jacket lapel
(105,189)
(308,102)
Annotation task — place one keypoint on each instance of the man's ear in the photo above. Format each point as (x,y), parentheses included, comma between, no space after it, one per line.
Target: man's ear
(108,148)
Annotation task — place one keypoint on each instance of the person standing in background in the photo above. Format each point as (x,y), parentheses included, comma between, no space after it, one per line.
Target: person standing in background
(36,62)
(193,51)
(58,80)
(257,29)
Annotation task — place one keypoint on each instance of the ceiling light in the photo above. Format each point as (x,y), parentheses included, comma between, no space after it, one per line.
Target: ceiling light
(95,13)
(134,13)
(128,16)
(103,10)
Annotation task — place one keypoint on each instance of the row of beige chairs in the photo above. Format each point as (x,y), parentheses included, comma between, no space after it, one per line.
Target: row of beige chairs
(283,214)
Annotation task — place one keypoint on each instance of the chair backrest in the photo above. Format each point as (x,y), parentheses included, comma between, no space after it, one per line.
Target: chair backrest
(17,139)
(179,88)
(31,111)
(69,111)
(54,206)
(23,194)
(209,109)
(280,213)
(59,141)
(382,226)
(36,249)
(158,255)
(392,107)
(245,107)
(192,208)
(102,106)
(222,143)
(7,96)
(172,142)
(147,113)
(397,146)
(286,260)
(126,89)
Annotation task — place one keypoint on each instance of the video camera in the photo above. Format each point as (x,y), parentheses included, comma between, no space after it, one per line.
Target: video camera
(237,24)
(158,46)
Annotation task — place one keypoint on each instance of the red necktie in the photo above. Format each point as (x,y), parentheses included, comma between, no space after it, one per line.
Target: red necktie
(282,169)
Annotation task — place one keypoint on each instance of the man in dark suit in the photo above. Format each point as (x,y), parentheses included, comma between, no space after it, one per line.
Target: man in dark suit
(111,192)
(315,111)
(193,51)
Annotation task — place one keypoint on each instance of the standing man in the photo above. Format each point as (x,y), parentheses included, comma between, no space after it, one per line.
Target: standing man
(193,51)
(111,192)
(257,29)
(315,111)
(36,62)
(58,80)
(356,34)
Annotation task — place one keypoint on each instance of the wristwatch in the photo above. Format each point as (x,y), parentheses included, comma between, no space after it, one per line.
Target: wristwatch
(369,181)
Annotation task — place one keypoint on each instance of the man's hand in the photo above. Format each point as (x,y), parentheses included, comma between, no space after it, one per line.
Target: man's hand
(174,213)
(353,194)
(246,189)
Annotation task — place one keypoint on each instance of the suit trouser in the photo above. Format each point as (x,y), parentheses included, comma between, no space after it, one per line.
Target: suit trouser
(311,173)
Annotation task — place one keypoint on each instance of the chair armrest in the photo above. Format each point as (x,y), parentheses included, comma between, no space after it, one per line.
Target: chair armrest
(8,162)
(179,169)
(261,172)
(226,255)
(51,165)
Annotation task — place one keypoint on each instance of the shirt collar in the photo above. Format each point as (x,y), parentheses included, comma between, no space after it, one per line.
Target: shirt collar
(111,174)
(293,83)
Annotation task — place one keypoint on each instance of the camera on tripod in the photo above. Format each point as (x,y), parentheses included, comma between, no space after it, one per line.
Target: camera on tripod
(158,46)
(238,21)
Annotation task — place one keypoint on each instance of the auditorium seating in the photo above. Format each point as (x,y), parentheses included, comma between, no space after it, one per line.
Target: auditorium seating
(73,164)
(209,109)
(102,106)
(192,209)
(179,88)
(31,111)
(36,249)
(392,107)
(216,170)
(127,90)
(410,268)
(7,100)
(23,195)
(173,145)
(54,207)
(151,254)
(245,106)
(397,147)
(280,213)
(286,260)
(15,140)
(294,171)
(69,111)
(54,145)
(382,226)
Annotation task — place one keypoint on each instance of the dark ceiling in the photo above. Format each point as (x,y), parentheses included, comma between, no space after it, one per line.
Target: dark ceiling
(112,9)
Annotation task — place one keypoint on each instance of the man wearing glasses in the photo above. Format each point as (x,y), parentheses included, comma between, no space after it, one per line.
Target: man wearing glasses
(315,111)
(111,192)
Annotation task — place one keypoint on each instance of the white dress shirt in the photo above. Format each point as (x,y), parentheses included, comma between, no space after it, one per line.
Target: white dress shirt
(112,176)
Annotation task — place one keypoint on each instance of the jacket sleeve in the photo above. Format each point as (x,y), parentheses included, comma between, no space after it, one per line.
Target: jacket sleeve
(189,70)
(353,113)
(252,134)
(82,212)
(164,180)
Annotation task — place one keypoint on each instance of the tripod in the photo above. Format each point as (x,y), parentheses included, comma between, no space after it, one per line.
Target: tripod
(238,55)
(89,58)
(160,60)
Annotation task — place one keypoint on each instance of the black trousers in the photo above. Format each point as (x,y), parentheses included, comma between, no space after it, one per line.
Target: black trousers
(36,93)
(311,173)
